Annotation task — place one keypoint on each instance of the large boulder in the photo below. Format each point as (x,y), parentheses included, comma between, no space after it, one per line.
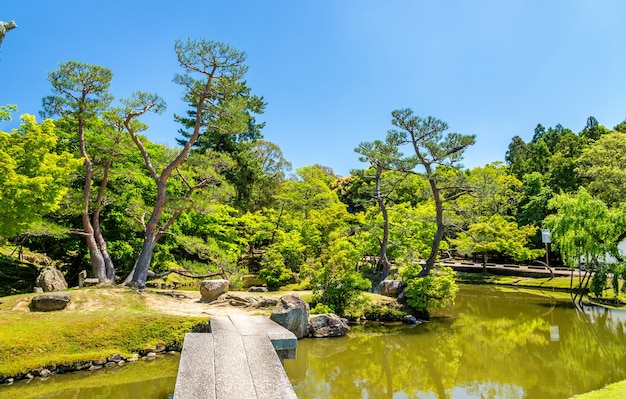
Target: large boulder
(391,288)
(327,325)
(48,302)
(51,279)
(211,289)
(251,280)
(292,313)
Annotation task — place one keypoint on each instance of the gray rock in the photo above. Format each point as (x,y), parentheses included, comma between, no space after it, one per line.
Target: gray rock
(327,325)
(391,288)
(48,302)
(38,290)
(212,289)
(257,289)
(51,279)
(409,319)
(250,280)
(115,358)
(292,313)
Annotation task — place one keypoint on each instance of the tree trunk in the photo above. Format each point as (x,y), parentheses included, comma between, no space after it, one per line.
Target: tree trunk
(98,265)
(142,264)
(109,268)
(434,249)
(485,257)
(95,256)
(383,261)
(152,235)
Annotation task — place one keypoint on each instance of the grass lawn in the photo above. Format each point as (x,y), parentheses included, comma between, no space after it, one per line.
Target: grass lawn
(101,322)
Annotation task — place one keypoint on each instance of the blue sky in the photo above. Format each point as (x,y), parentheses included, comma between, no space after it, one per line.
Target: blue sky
(333,70)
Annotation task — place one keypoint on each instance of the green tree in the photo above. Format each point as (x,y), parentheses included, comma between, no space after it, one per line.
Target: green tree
(585,229)
(497,235)
(6,111)
(602,166)
(33,178)
(335,278)
(493,191)
(5,27)
(382,157)
(517,156)
(247,175)
(533,206)
(80,92)
(593,130)
(432,149)
(213,81)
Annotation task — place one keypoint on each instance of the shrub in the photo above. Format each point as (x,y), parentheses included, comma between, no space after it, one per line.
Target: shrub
(334,278)
(275,273)
(320,308)
(437,290)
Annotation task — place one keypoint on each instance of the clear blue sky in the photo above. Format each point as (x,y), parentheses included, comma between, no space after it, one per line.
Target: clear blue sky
(333,70)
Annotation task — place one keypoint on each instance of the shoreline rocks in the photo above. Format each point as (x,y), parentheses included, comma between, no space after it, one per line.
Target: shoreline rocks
(115,360)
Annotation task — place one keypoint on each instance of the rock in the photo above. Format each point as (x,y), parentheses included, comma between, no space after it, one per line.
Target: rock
(257,289)
(115,358)
(292,313)
(48,302)
(51,279)
(391,288)
(38,290)
(45,373)
(250,280)
(327,325)
(212,289)
(409,319)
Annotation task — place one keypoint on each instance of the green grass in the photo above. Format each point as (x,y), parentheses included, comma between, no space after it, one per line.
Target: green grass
(121,324)
(612,391)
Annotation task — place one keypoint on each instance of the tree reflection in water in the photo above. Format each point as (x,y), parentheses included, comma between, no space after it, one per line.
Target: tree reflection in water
(492,345)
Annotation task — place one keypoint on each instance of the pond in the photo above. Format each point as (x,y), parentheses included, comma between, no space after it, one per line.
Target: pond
(491,344)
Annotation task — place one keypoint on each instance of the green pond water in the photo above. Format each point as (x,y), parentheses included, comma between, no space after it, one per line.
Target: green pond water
(491,344)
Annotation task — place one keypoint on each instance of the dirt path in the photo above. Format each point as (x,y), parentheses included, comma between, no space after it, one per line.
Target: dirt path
(187,303)
(179,303)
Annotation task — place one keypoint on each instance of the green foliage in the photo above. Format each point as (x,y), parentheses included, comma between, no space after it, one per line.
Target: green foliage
(602,166)
(497,235)
(6,111)
(584,228)
(274,271)
(334,277)
(494,191)
(389,311)
(436,290)
(321,308)
(33,178)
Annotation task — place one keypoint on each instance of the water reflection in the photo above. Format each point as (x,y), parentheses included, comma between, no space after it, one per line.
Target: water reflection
(144,379)
(492,344)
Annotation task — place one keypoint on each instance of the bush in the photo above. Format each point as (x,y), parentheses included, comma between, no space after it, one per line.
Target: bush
(383,312)
(320,308)
(334,278)
(436,290)
(275,273)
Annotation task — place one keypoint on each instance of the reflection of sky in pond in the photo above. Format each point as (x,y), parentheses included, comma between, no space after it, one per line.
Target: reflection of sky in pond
(491,344)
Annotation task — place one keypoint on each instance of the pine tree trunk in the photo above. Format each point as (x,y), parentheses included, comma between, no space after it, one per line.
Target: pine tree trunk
(140,270)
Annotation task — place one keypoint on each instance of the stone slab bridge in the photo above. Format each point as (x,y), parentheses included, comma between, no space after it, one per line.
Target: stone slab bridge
(240,358)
